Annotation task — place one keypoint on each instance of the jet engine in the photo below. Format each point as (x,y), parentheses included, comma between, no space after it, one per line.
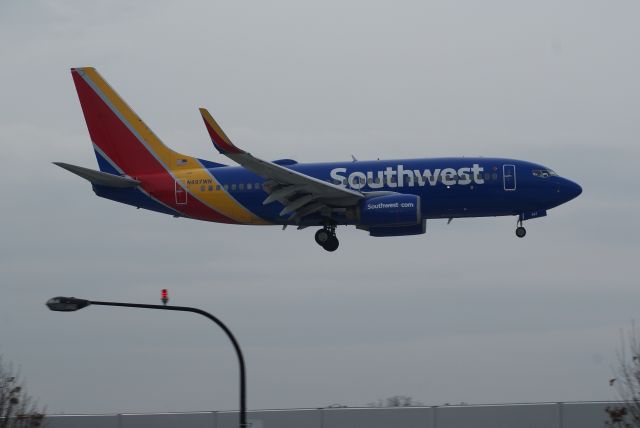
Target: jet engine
(390,210)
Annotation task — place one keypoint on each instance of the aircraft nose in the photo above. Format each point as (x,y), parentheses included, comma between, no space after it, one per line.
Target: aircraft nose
(570,189)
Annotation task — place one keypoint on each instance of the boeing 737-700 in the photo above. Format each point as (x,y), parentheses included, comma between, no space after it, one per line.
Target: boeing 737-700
(382,197)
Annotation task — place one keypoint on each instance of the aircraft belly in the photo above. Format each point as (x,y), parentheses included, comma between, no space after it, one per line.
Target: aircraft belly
(449,203)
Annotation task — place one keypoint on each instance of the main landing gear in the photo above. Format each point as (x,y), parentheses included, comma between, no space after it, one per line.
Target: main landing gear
(520,230)
(326,238)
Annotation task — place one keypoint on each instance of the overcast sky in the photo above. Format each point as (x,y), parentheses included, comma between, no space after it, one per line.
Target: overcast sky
(467,312)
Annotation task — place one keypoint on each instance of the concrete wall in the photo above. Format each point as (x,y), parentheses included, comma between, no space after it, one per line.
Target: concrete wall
(521,416)
(169,420)
(379,418)
(543,415)
(274,418)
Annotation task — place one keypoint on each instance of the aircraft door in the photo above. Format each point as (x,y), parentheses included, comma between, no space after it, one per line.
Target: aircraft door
(509,177)
(181,192)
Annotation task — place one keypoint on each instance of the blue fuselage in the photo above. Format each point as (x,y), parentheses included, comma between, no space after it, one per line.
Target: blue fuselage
(448,187)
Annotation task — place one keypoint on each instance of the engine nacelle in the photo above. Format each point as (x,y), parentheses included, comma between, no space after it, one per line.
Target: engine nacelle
(390,210)
(416,229)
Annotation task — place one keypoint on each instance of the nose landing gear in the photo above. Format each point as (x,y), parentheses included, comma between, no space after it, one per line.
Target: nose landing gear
(520,230)
(326,238)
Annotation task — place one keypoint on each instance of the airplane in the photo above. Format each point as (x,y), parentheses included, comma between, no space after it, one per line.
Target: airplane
(382,197)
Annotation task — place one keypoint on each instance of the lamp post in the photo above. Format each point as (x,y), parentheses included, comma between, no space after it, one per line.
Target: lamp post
(71,304)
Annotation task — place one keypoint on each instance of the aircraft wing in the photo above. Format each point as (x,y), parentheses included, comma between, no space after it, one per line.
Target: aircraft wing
(301,194)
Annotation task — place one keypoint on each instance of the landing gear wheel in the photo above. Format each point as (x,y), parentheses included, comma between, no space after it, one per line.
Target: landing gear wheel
(322,237)
(521,232)
(326,237)
(332,244)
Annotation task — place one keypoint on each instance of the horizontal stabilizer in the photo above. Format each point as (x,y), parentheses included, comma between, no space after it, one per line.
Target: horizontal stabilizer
(98,177)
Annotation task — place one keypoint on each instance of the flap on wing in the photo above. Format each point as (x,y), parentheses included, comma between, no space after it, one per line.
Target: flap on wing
(99,177)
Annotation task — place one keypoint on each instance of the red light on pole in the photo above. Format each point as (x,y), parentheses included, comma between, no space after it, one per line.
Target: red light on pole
(164,296)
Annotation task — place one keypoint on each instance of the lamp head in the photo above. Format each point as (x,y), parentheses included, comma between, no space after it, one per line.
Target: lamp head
(66,304)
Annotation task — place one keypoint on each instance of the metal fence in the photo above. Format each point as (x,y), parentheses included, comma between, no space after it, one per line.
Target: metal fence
(534,415)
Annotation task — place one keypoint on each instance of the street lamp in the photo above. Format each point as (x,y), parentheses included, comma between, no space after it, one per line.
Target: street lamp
(71,304)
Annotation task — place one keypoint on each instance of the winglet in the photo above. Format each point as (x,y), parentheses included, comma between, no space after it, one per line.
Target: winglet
(218,137)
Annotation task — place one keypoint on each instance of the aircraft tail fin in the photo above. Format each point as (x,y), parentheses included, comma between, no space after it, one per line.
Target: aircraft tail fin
(123,143)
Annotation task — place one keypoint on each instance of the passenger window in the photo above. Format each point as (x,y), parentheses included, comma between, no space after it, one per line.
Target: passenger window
(249,186)
(210,188)
(494,176)
(487,176)
(217,187)
(258,186)
(202,188)
(226,187)
(241,186)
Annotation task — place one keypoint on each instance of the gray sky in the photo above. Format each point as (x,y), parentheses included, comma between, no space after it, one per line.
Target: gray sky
(466,313)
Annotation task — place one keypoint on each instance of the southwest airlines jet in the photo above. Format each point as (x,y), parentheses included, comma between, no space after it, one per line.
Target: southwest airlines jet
(382,197)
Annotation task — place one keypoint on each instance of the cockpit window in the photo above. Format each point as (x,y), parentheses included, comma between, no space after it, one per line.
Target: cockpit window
(544,173)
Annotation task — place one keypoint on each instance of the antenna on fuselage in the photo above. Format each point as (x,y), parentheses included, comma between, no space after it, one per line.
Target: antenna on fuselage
(354,158)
